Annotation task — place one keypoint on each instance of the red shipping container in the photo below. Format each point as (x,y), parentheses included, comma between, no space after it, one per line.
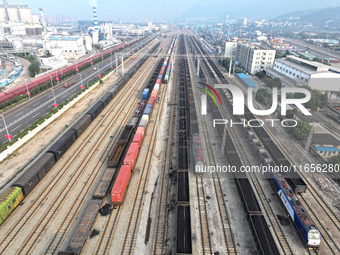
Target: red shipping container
(154,93)
(138,138)
(131,155)
(159,81)
(152,101)
(140,130)
(122,181)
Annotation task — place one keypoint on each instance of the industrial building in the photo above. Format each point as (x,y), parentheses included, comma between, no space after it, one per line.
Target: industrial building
(17,19)
(305,72)
(71,46)
(254,58)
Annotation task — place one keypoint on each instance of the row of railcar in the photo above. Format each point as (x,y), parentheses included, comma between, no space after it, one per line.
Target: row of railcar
(302,221)
(285,186)
(169,61)
(149,95)
(261,233)
(183,232)
(23,88)
(142,115)
(28,181)
(82,230)
(117,154)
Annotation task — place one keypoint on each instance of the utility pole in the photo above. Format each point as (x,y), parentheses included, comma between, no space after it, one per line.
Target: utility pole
(230,63)
(122,65)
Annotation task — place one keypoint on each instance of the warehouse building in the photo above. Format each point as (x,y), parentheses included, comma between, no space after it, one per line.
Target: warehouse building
(304,72)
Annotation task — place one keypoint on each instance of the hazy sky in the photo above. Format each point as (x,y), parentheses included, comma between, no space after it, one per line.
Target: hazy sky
(171,9)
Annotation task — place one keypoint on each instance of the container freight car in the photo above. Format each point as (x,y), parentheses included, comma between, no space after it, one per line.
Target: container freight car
(140,130)
(131,155)
(145,94)
(62,145)
(138,138)
(35,173)
(121,183)
(9,200)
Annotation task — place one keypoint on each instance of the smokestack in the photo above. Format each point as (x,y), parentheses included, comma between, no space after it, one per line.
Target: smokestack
(95,19)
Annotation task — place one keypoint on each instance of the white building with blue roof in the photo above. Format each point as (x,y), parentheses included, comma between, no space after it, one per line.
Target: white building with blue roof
(71,46)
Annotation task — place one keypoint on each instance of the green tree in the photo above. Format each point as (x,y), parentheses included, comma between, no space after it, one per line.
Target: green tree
(301,131)
(261,74)
(264,96)
(317,99)
(33,69)
(271,83)
(334,160)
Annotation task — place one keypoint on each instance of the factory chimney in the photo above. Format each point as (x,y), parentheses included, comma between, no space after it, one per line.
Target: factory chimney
(95,19)
(95,35)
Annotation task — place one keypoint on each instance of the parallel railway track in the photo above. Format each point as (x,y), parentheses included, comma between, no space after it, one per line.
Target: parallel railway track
(277,230)
(223,214)
(72,184)
(129,241)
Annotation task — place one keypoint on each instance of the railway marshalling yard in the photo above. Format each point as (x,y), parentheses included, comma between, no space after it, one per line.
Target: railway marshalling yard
(167,208)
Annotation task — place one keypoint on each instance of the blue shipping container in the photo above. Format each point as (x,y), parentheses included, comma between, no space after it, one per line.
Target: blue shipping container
(160,76)
(145,94)
(148,109)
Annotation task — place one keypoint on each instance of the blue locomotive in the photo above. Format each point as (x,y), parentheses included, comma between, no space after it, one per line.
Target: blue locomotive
(304,224)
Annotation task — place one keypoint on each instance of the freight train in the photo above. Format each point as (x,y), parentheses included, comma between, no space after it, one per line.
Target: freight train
(23,88)
(10,199)
(285,186)
(123,178)
(261,232)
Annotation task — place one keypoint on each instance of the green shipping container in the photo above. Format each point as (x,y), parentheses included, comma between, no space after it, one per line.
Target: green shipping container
(8,201)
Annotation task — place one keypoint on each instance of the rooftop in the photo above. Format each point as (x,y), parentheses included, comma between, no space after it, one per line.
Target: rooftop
(64,38)
(321,148)
(320,139)
(304,65)
(247,80)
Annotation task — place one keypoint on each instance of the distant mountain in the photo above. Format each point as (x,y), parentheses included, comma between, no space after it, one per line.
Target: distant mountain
(326,17)
(218,9)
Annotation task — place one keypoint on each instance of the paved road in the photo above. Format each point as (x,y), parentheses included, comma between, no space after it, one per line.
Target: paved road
(18,118)
(315,50)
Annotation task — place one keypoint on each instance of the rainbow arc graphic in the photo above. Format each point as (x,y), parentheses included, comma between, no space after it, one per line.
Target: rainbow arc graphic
(209,93)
